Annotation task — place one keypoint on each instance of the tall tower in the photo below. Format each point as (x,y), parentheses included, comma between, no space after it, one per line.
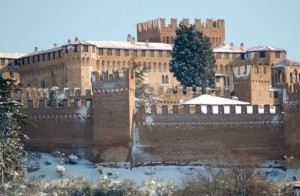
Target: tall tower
(113,109)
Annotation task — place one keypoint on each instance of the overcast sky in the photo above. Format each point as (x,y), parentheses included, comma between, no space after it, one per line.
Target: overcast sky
(25,24)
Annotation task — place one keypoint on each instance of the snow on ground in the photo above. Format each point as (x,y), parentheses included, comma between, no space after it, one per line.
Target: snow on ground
(89,171)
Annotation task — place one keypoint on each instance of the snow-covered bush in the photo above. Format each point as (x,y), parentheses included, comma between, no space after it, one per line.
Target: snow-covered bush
(60,170)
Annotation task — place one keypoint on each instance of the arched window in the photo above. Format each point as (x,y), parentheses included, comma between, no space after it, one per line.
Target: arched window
(167,79)
(111,77)
(162,79)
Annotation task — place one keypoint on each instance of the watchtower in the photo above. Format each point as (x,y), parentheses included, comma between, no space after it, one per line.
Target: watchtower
(113,108)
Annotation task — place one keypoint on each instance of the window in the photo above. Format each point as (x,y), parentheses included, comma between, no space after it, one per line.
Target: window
(276,95)
(85,48)
(53,55)
(118,52)
(28,60)
(277,54)
(169,54)
(93,49)
(243,56)
(162,79)
(2,61)
(75,48)
(100,51)
(59,54)
(38,58)
(49,57)
(262,54)
(135,52)
(226,55)
(167,79)
(152,53)
(11,75)
(44,57)
(23,61)
(126,52)
(109,52)
(160,53)
(143,52)
(33,59)
(233,56)
(219,55)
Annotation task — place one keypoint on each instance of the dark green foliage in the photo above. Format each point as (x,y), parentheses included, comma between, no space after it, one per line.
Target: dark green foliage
(140,71)
(193,61)
(12,153)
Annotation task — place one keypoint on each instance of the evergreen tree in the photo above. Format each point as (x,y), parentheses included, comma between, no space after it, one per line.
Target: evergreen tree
(12,153)
(140,73)
(193,61)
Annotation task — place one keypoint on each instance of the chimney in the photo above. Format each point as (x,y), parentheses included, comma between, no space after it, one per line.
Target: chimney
(231,46)
(69,41)
(54,45)
(147,43)
(132,40)
(242,46)
(35,49)
(76,39)
(129,38)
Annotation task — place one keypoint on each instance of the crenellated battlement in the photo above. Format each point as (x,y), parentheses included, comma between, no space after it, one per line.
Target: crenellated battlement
(161,23)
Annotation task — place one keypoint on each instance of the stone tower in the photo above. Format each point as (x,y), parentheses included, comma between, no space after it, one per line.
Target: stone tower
(113,109)
(157,31)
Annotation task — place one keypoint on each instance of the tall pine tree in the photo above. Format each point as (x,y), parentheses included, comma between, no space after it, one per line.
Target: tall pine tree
(193,61)
(12,153)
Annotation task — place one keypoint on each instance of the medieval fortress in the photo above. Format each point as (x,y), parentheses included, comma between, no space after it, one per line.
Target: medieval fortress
(96,114)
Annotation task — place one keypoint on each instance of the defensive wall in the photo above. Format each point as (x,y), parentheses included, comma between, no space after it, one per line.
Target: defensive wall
(102,126)
(186,136)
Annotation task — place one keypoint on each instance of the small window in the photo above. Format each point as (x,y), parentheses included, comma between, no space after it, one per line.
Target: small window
(126,52)
(85,48)
(49,57)
(109,52)
(118,52)
(28,60)
(38,58)
(75,48)
(226,55)
(143,52)
(160,53)
(53,55)
(33,59)
(262,54)
(167,79)
(243,57)
(219,55)
(100,51)
(44,57)
(277,54)
(276,95)
(135,52)
(152,53)
(11,74)
(169,54)
(59,54)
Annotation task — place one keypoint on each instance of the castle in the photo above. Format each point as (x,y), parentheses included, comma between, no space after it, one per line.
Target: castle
(97,117)
(105,126)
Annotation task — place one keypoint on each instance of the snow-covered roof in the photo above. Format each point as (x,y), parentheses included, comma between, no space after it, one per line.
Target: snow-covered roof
(129,45)
(275,89)
(229,49)
(213,100)
(286,62)
(11,55)
(43,51)
(264,48)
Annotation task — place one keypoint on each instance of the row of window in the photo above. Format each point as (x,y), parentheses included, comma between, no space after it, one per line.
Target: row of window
(242,56)
(39,58)
(127,52)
